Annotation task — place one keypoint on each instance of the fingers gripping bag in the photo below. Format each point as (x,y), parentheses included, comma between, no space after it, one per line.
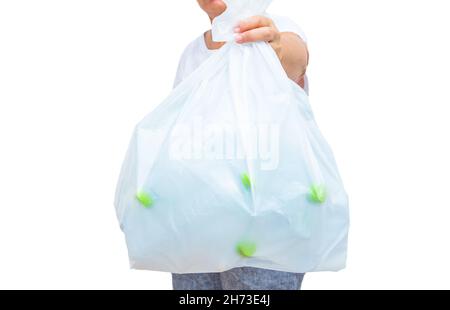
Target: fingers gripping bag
(232,171)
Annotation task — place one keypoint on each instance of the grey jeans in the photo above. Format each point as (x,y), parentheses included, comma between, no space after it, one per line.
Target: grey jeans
(239,279)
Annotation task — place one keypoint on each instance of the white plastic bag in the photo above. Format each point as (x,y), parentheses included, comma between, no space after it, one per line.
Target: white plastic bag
(231,171)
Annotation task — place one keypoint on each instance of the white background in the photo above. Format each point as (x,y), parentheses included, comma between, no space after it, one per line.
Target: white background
(76,76)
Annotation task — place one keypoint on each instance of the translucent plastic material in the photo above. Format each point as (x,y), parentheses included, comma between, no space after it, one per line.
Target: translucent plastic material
(231,171)
(237,10)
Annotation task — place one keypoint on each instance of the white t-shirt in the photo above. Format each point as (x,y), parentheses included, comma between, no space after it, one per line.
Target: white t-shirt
(197,51)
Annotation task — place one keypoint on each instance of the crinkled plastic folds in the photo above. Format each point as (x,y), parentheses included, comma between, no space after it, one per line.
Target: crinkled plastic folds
(231,170)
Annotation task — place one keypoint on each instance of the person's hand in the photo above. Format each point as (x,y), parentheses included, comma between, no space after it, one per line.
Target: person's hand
(259,28)
(289,47)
